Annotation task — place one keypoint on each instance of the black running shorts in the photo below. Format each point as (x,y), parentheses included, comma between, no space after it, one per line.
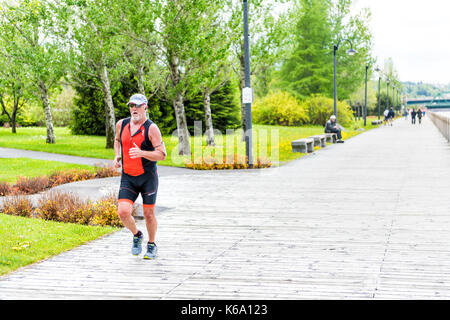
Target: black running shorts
(146,184)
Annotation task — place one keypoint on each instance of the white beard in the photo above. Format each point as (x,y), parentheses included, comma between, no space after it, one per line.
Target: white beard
(136,118)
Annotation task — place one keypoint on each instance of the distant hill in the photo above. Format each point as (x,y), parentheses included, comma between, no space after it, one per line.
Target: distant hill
(424,90)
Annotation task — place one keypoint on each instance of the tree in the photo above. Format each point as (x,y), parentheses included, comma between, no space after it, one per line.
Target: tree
(319,25)
(182,29)
(307,69)
(96,50)
(135,21)
(224,108)
(265,42)
(11,88)
(213,62)
(351,69)
(272,45)
(357,98)
(88,115)
(42,59)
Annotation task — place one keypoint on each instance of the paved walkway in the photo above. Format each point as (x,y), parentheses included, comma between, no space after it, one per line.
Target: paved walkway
(366,219)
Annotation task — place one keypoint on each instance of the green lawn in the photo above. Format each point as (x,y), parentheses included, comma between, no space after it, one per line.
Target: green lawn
(27,240)
(10,169)
(272,142)
(33,138)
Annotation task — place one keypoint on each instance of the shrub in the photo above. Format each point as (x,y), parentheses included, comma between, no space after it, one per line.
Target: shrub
(64,207)
(17,206)
(105,171)
(72,209)
(50,205)
(80,213)
(68,208)
(5,188)
(66,176)
(105,212)
(31,185)
(320,109)
(279,108)
(228,162)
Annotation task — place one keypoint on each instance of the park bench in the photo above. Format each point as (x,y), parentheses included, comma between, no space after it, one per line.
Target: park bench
(331,137)
(303,145)
(319,140)
(377,121)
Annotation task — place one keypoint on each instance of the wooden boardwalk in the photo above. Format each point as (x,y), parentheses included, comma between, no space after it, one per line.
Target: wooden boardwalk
(368,219)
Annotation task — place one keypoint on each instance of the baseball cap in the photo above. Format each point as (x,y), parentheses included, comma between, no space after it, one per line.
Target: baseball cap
(137,99)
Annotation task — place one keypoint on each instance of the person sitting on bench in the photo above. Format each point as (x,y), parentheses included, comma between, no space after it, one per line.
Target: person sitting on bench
(332,127)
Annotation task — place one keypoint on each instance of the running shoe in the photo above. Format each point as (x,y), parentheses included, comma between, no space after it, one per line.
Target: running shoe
(137,245)
(152,249)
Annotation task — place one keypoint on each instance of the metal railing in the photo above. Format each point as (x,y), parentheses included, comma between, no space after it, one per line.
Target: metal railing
(441,122)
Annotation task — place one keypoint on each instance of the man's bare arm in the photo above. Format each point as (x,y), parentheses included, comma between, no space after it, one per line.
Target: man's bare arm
(117,148)
(160,150)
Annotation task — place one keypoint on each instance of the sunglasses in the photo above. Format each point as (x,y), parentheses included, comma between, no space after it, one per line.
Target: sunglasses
(132,105)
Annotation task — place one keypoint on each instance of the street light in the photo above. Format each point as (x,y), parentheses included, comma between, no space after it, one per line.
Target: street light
(365,98)
(248,100)
(393,95)
(350,52)
(387,93)
(379,98)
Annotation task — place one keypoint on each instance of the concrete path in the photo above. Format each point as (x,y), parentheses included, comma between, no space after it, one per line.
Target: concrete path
(368,219)
(18,153)
(89,189)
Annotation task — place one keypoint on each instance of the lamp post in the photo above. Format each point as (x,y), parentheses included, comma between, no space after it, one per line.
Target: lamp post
(247,100)
(393,96)
(387,93)
(349,52)
(365,98)
(379,98)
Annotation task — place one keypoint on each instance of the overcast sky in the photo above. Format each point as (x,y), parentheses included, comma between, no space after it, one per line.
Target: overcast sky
(415,34)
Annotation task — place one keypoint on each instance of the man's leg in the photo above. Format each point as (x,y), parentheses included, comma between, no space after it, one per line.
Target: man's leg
(125,209)
(338,133)
(150,222)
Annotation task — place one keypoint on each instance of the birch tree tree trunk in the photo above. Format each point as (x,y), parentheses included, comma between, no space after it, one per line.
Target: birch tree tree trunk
(184,145)
(208,118)
(13,116)
(110,118)
(47,112)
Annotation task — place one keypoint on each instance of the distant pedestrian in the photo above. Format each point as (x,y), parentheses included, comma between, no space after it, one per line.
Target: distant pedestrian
(386,114)
(391,116)
(413,116)
(419,115)
(406,114)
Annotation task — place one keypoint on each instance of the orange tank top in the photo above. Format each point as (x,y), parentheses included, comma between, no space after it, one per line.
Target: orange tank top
(137,166)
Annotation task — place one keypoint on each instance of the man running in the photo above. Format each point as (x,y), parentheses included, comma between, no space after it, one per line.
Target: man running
(138,146)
